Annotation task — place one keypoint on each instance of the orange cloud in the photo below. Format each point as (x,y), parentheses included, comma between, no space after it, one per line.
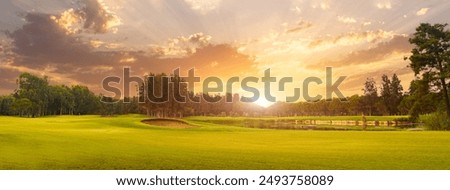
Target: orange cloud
(398,44)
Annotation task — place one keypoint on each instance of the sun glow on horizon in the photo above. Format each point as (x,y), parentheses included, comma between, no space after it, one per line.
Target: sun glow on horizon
(263,102)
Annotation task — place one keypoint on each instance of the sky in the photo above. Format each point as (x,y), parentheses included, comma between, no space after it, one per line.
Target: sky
(84,41)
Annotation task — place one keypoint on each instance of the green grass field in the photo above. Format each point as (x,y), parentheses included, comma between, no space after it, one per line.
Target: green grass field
(93,142)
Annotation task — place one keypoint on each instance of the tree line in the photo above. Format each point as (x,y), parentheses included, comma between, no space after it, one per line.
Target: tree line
(36,98)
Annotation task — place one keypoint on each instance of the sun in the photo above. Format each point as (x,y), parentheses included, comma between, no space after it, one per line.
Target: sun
(263,102)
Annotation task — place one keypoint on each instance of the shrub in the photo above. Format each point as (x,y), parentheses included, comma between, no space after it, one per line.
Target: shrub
(406,122)
(437,121)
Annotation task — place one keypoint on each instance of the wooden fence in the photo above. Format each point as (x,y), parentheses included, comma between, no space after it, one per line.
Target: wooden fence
(353,123)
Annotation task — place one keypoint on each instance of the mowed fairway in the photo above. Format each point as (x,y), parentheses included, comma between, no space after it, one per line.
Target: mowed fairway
(93,142)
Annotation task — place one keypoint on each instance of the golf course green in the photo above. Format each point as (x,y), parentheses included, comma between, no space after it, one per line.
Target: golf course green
(124,142)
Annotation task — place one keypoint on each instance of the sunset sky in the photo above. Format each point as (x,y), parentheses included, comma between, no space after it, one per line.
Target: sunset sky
(81,42)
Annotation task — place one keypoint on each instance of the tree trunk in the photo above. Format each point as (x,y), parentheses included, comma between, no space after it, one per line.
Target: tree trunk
(445,94)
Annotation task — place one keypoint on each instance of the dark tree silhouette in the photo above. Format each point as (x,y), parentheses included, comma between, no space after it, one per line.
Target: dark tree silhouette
(370,95)
(431,56)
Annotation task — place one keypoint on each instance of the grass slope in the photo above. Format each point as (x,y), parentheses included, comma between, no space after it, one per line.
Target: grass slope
(92,142)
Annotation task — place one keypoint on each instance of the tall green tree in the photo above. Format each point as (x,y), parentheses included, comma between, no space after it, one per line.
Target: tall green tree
(62,100)
(22,106)
(85,101)
(420,100)
(391,93)
(431,56)
(36,90)
(6,103)
(354,105)
(396,91)
(370,95)
(386,92)
(57,99)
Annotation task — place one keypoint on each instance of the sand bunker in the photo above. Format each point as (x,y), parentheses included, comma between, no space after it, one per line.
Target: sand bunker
(169,123)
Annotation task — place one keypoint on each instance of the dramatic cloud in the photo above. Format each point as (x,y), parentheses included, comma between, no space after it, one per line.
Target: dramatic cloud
(69,20)
(47,39)
(92,17)
(422,11)
(351,38)
(398,44)
(300,26)
(44,38)
(51,45)
(42,41)
(46,45)
(98,19)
